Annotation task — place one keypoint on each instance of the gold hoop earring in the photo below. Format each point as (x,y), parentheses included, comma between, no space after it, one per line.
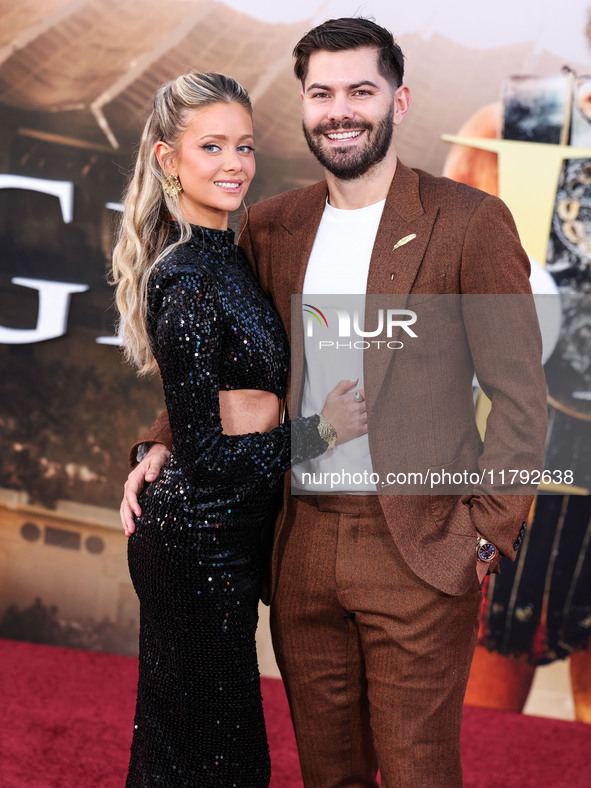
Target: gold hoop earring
(172,186)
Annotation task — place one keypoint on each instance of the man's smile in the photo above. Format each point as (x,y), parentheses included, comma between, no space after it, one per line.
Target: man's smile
(344,135)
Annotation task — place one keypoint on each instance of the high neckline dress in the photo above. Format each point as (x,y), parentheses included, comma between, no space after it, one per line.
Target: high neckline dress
(196,557)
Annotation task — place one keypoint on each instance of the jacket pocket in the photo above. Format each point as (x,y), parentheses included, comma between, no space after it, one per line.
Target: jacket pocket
(451,511)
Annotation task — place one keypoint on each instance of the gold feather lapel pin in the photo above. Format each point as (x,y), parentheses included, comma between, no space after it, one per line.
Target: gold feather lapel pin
(404,240)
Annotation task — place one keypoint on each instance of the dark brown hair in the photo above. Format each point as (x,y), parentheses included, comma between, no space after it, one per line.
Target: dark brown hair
(336,35)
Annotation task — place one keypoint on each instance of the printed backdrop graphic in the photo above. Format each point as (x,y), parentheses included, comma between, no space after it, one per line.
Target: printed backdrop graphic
(538,610)
(76,80)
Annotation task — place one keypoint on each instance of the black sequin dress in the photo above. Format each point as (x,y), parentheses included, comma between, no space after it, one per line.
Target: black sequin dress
(195,558)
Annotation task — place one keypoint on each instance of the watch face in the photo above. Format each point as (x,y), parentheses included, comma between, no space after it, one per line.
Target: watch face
(486,551)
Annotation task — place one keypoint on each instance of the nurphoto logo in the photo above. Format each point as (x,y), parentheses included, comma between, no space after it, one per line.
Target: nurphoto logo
(347,325)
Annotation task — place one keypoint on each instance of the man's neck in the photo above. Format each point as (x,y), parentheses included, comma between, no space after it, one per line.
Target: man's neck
(366,190)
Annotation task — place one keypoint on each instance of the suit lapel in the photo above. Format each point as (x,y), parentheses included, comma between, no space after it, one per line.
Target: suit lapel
(399,248)
(296,237)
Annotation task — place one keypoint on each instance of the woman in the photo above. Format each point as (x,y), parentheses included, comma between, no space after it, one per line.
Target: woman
(191,308)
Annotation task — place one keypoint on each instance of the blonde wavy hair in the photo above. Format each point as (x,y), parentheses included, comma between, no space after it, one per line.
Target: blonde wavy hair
(144,232)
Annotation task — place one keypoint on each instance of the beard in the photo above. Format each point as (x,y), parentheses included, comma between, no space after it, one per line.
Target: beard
(346,163)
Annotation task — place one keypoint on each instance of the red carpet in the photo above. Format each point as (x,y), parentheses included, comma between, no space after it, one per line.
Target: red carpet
(66,719)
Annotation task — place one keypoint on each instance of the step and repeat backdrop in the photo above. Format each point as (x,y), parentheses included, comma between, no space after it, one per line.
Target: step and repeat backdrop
(501,100)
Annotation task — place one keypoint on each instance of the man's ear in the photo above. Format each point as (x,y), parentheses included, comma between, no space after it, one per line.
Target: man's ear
(401,104)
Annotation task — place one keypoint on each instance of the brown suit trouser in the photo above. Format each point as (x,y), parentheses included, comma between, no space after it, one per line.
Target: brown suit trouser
(375,661)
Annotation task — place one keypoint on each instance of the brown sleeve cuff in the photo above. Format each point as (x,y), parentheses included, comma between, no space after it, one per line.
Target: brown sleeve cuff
(159,432)
(494,568)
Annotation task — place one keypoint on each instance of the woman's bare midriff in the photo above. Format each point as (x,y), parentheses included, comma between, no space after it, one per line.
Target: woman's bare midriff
(249,410)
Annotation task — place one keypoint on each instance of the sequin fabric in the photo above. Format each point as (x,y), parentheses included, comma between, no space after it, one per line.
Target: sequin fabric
(195,558)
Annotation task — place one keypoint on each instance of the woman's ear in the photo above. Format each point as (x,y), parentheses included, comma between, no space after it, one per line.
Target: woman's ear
(165,156)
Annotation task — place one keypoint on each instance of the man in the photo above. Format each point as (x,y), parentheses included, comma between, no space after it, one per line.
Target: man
(375,599)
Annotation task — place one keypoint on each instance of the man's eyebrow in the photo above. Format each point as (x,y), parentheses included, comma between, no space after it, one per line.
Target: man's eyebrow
(361,84)
(355,86)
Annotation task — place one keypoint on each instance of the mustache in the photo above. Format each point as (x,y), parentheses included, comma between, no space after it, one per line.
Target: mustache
(345,125)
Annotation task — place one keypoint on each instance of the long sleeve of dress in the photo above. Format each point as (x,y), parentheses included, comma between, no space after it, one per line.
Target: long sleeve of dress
(188,323)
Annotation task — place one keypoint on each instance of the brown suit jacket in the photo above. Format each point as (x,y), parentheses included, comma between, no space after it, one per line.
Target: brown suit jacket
(466,242)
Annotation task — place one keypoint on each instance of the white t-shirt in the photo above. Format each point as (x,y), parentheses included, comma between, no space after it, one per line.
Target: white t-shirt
(336,279)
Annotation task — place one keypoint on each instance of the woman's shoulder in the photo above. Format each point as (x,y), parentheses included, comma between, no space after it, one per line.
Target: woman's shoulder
(181,275)
(183,261)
